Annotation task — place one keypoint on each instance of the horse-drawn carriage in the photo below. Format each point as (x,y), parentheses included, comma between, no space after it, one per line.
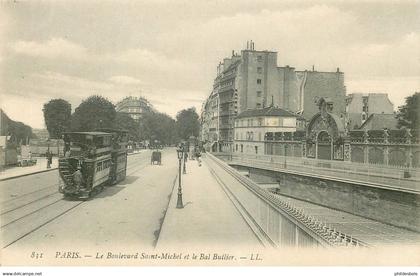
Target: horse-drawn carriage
(156,158)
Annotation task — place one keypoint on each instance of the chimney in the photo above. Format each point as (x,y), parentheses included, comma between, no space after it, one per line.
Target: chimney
(313,68)
(247,45)
(233,53)
(338,69)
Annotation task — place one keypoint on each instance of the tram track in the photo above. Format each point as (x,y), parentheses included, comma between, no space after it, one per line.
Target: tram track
(21,220)
(27,194)
(11,204)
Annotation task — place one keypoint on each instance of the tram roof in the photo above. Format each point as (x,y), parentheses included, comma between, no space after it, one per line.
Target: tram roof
(94,133)
(111,130)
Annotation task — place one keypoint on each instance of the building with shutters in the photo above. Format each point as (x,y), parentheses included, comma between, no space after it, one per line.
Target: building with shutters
(254,127)
(253,80)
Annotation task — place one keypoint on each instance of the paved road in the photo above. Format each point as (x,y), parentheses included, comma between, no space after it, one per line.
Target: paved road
(128,214)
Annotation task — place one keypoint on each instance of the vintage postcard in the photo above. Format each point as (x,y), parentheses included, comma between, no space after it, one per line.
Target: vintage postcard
(210,133)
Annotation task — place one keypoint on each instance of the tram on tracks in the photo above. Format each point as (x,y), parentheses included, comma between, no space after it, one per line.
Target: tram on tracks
(91,161)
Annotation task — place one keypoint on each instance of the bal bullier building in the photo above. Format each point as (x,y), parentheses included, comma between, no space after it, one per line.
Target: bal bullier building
(253,80)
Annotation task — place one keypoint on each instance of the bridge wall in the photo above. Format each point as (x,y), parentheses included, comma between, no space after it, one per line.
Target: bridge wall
(398,208)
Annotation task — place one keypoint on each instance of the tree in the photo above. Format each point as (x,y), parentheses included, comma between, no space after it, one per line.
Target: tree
(408,115)
(57,115)
(19,132)
(158,126)
(124,121)
(187,122)
(93,113)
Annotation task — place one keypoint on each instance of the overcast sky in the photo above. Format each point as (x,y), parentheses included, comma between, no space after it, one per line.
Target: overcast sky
(167,51)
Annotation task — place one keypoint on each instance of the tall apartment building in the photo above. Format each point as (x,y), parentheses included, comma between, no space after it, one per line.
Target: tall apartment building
(253,80)
(359,106)
(133,106)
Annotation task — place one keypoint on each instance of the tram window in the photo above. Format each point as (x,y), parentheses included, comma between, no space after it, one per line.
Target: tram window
(98,166)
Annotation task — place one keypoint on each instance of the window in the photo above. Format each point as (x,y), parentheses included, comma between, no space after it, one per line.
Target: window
(98,166)
(236,147)
(256,149)
(260,121)
(258,105)
(259,58)
(258,81)
(259,93)
(259,70)
(242,148)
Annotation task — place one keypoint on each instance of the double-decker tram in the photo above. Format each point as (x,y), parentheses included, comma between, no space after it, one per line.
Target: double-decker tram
(119,143)
(91,160)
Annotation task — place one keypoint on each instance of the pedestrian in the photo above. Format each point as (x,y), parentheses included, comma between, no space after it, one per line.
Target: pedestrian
(47,155)
(198,156)
(50,159)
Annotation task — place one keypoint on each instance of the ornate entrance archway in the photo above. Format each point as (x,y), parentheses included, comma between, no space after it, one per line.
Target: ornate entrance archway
(325,134)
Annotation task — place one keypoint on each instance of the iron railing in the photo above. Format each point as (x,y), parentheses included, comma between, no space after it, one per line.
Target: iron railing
(267,210)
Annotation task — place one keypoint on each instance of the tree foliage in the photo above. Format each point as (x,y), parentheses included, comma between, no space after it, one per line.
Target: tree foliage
(158,126)
(188,124)
(409,114)
(124,121)
(19,132)
(57,116)
(93,113)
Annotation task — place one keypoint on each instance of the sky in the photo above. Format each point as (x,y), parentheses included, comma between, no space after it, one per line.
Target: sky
(167,51)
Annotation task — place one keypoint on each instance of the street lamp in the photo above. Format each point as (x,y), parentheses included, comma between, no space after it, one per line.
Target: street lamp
(184,149)
(285,156)
(179,204)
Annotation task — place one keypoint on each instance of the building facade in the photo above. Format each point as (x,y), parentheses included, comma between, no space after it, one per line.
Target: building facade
(253,80)
(134,107)
(360,106)
(254,127)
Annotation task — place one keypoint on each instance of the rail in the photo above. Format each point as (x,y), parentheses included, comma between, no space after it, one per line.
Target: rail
(273,216)
(380,176)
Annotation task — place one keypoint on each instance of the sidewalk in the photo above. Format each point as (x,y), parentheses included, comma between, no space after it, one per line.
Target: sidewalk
(41,166)
(208,219)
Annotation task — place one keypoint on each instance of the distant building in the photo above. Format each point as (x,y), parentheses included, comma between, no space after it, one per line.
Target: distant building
(360,106)
(134,107)
(252,127)
(253,80)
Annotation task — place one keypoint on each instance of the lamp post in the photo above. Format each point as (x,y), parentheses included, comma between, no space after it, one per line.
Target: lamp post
(179,204)
(285,156)
(184,150)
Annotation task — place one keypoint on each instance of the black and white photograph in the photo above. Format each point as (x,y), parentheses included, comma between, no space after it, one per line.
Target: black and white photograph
(223,133)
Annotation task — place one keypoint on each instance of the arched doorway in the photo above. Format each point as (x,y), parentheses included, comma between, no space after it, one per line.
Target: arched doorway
(324,145)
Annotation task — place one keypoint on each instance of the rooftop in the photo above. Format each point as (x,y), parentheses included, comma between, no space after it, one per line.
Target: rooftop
(267,111)
(381,121)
